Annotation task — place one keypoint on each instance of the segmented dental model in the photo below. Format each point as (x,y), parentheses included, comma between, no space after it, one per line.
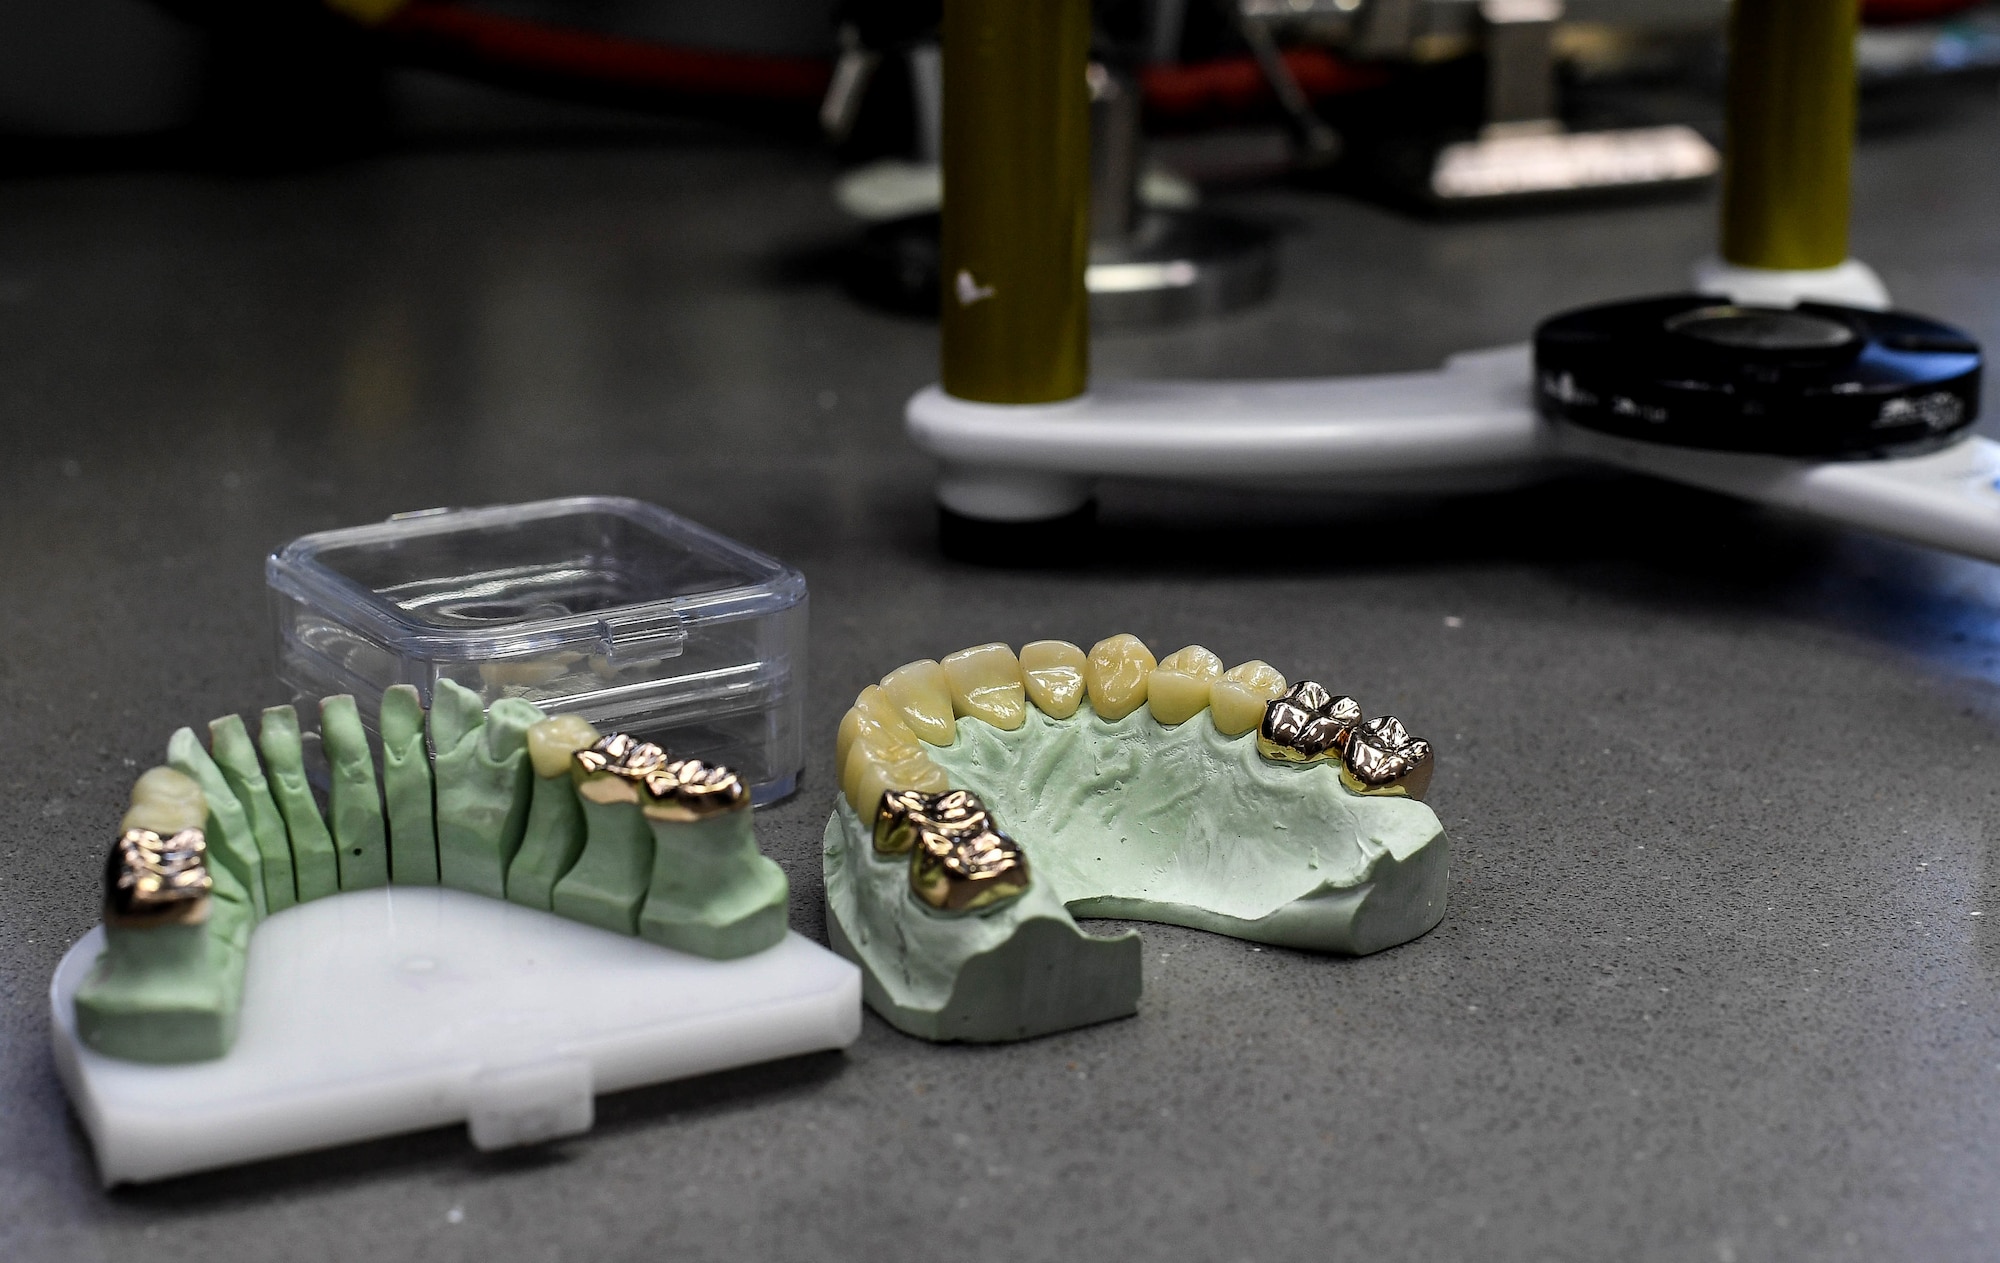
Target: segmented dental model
(1282,817)
(540,811)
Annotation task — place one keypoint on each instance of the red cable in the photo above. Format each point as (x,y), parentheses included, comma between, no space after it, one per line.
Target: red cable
(509,43)
(1232,85)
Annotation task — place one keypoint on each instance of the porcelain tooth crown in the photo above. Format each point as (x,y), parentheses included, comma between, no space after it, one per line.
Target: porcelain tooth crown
(1383,758)
(1116,675)
(150,880)
(1309,724)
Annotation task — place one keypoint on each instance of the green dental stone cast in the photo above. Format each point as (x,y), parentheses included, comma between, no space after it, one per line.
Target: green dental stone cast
(549,846)
(314,865)
(712,894)
(171,992)
(231,844)
(1127,819)
(482,775)
(609,880)
(229,742)
(406,785)
(355,804)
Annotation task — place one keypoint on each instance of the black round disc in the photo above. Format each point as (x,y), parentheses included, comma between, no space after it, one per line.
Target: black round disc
(1814,380)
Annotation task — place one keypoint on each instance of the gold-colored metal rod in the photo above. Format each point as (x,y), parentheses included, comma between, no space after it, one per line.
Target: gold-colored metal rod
(1791,132)
(1016,317)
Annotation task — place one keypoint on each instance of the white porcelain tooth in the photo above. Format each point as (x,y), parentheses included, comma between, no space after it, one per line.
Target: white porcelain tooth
(870,708)
(919,690)
(873,732)
(867,775)
(985,683)
(843,741)
(552,741)
(1236,701)
(875,718)
(1052,672)
(166,802)
(1116,674)
(1177,691)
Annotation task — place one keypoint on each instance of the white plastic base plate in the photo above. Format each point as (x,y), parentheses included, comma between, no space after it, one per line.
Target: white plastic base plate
(1471,425)
(384,1011)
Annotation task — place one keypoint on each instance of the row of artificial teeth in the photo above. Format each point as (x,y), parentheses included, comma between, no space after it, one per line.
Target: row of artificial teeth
(960,861)
(883,737)
(1311,724)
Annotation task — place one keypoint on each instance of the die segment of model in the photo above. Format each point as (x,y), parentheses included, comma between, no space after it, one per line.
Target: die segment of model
(192,1031)
(480,766)
(236,756)
(406,789)
(315,866)
(360,833)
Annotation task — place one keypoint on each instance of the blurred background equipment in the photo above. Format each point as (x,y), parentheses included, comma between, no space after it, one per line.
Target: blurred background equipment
(1442,101)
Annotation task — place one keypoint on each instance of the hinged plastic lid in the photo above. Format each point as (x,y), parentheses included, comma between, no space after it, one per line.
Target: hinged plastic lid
(601,574)
(611,608)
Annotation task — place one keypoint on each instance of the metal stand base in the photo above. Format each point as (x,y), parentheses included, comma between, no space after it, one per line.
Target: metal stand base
(1176,266)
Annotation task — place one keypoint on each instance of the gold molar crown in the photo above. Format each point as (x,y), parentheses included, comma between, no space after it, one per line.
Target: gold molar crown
(966,872)
(1383,758)
(1309,724)
(150,880)
(691,789)
(904,813)
(616,768)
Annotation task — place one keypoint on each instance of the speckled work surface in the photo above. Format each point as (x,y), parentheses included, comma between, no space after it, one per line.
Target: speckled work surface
(1721,788)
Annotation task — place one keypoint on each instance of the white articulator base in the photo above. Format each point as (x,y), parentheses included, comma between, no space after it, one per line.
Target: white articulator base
(383,1011)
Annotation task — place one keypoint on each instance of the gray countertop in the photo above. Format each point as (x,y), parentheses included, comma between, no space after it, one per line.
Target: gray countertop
(1719,976)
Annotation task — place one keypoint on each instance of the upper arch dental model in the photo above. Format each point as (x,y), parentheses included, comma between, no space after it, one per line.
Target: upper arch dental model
(540,811)
(1157,790)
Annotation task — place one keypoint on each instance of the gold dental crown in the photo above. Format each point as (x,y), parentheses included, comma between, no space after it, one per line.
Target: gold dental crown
(622,769)
(1311,725)
(690,789)
(1384,757)
(1307,725)
(150,880)
(959,860)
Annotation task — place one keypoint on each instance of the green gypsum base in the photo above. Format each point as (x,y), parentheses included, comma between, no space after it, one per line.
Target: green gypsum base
(1019,970)
(1136,817)
(360,838)
(712,894)
(236,756)
(231,842)
(511,814)
(314,865)
(483,784)
(607,885)
(406,788)
(550,844)
(171,992)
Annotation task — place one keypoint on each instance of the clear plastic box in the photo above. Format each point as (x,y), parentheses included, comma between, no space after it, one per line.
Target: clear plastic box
(606,607)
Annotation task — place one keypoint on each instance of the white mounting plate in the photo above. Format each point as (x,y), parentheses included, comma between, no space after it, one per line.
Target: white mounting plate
(383,1011)
(1470,425)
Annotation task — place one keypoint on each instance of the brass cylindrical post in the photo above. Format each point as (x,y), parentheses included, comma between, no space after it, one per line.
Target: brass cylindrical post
(1015,315)
(1791,133)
